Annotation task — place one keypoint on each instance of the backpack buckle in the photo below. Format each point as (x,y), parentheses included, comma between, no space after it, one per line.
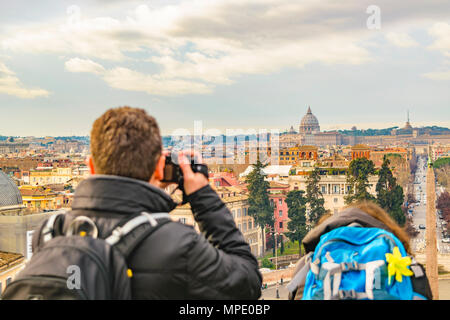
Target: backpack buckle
(348,266)
(118,232)
(347,294)
(84,226)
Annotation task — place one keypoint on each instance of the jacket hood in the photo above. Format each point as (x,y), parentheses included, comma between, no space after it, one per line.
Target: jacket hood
(120,195)
(341,219)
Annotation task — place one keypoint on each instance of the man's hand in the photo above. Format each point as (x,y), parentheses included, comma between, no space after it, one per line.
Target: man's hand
(193,181)
(159,183)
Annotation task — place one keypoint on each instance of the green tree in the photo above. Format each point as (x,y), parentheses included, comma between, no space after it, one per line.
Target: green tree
(389,194)
(259,204)
(281,242)
(266,263)
(314,197)
(297,214)
(358,174)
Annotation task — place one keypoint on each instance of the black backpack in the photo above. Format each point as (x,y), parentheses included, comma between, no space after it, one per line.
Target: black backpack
(77,265)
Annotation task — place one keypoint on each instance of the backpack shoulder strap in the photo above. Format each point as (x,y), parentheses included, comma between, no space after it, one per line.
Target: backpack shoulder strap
(126,237)
(420,281)
(49,229)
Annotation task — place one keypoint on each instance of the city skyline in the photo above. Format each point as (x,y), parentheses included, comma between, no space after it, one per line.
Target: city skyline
(249,130)
(230,64)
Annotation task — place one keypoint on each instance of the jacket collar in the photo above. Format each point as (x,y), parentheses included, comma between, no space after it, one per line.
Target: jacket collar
(120,195)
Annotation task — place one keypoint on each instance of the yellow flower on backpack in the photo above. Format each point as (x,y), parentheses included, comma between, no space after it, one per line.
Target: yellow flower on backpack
(398,265)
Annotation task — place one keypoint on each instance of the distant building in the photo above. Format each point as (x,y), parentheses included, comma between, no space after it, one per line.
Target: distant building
(407,124)
(332,138)
(45,176)
(223,179)
(12,147)
(237,202)
(10,265)
(293,155)
(277,196)
(440,151)
(16,226)
(335,161)
(309,124)
(360,151)
(377,155)
(334,188)
(10,197)
(309,134)
(39,198)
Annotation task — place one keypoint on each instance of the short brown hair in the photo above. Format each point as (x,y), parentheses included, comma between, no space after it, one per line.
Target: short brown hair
(126,142)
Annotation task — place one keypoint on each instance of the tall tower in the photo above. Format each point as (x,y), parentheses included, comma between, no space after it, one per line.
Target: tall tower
(431,251)
(407,125)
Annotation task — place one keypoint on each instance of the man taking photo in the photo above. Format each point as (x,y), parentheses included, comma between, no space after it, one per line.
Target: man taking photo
(175,262)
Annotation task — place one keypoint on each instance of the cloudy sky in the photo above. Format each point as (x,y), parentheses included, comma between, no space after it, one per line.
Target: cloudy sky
(228,63)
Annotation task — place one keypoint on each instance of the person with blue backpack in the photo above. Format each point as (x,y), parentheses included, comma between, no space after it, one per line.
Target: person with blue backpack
(359,253)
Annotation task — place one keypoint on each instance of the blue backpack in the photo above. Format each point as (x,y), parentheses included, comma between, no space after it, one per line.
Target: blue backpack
(350,263)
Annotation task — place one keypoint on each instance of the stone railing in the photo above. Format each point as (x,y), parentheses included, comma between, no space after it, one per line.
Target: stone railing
(284,260)
(272,277)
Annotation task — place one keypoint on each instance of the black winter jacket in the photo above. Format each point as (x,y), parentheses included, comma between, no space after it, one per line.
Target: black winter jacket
(175,262)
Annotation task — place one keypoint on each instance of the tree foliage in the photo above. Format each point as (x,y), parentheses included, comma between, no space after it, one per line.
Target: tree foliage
(297,214)
(441,162)
(442,171)
(266,263)
(409,227)
(314,197)
(443,204)
(411,198)
(389,194)
(358,174)
(443,201)
(259,204)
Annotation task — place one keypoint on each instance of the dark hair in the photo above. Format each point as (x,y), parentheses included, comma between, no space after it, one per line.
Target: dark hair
(126,142)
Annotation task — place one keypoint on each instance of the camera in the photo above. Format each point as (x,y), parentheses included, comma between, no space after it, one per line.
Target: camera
(173,173)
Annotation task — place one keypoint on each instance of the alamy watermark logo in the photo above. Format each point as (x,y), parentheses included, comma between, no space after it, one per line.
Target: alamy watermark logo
(374,20)
(74,280)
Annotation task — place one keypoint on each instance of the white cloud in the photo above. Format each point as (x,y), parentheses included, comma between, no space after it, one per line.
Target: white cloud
(201,44)
(130,80)
(83,65)
(198,40)
(402,40)
(222,69)
(126,79)
(11,85)
(438,75)
(441,34)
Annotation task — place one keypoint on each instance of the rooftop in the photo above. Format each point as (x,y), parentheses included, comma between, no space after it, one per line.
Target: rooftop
(9,192)
(8,259)
(277,185)
(36,191)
